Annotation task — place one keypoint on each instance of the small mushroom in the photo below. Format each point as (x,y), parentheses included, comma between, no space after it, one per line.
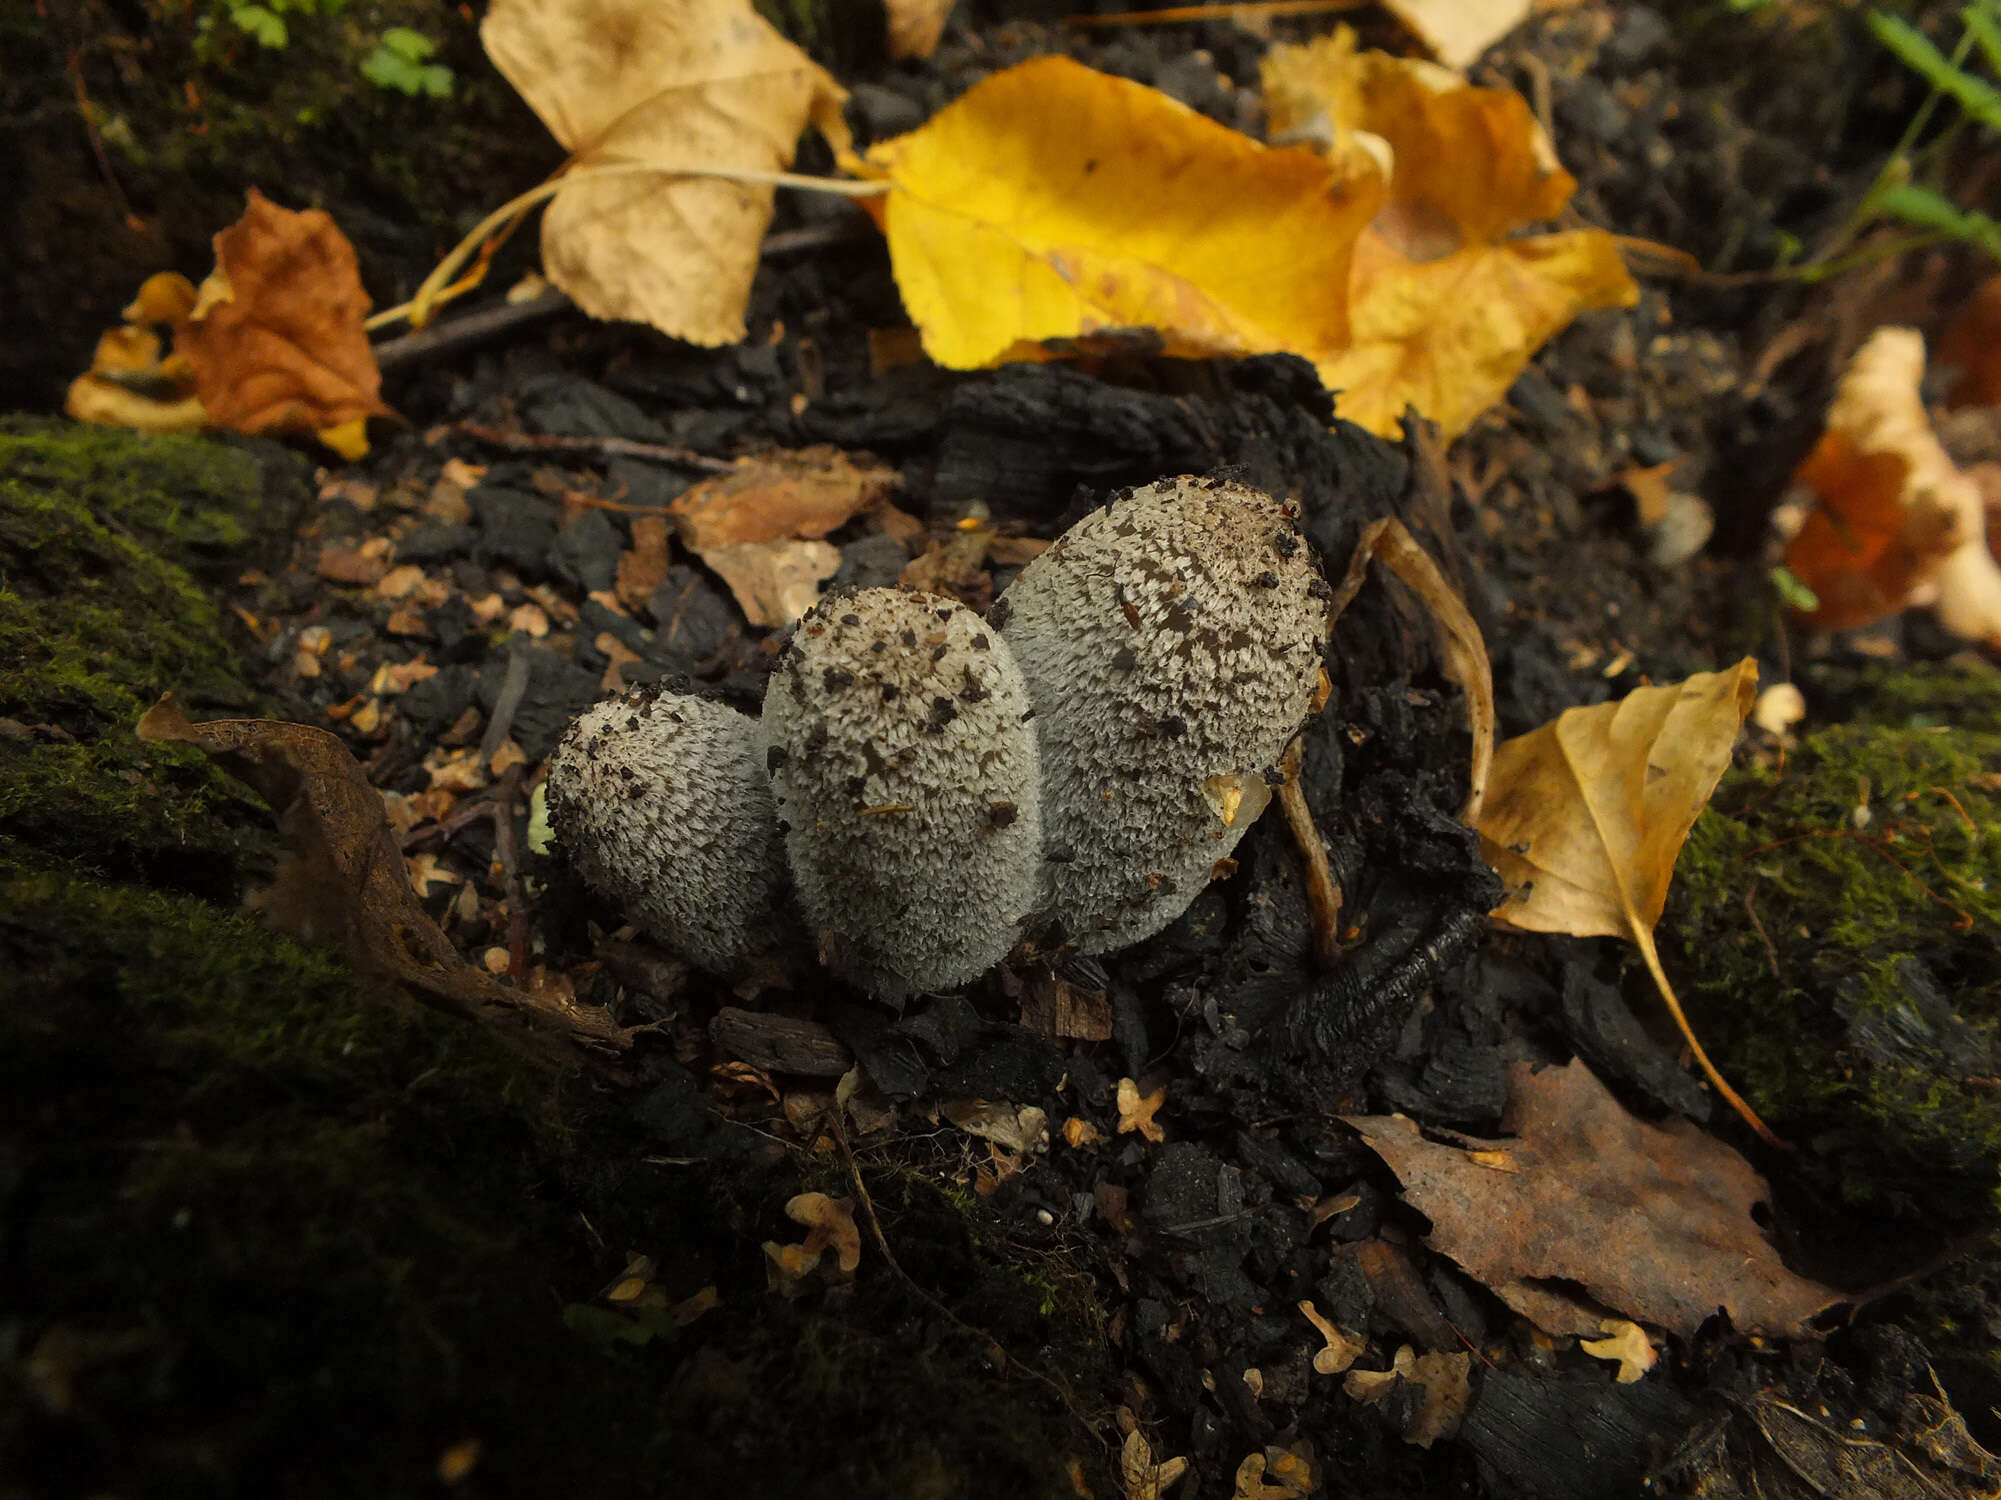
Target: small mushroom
(904,770)
(1172,645)
(661,801)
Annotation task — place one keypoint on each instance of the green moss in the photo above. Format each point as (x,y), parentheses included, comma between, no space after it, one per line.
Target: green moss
(101,536)
(270,1232)
(1848,979)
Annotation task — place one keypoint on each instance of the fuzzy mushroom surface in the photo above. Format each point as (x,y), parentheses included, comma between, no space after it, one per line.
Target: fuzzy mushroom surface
(661,802)
(904,769)
(1172,645)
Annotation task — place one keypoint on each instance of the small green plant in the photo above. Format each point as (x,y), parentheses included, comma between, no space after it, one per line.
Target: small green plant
(265,22)
(1907,188)
(402,61)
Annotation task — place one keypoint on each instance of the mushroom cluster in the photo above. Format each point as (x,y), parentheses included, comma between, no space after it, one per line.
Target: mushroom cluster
(924,783)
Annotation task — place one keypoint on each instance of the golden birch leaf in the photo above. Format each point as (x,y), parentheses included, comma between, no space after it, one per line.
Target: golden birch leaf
(1054,202)
(674,84)
(1585,817)
(1447,309)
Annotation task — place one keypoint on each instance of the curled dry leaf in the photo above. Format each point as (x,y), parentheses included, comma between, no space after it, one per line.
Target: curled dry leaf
(1586,816)
(1456,32)
(673,84)
(759,526)
(275,339)
(1139,1475)
(1445,1379)
(1136,1110)
(830,1224)
(1894,521)
(1343,1348)
(1653,1221)
(1054,202)
(346,867)
(1022,1129)
(1626,1344)
(1277,1474)
(1446,308)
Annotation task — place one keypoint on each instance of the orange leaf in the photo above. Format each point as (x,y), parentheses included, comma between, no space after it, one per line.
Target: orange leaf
(276,340)
(1895,522)
(1446,309)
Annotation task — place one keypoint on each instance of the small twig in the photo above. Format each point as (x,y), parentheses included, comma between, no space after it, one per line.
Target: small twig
(443,339)
(610,447)
(1771,951)
(508,849)
(75,68)
(513,687)
(1323,893)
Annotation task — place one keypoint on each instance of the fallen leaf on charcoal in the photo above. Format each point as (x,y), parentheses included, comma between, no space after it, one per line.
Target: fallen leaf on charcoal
(1457,32)
(642,567)
(1585,817)
(1054,202)
(1139,1475)
(1627,1345)
(673,84)
(1655,1222)
(1894,522)
(915,26)
(1768,1448)
(164,297)
(347,878)
(1446,309)
(1022,1129)
(1343,1348)
(275,340)
(805,493)
(1136,1110)
(1079,1133)
(774,582)
(830,1224)
(1445,1379)
(758,527)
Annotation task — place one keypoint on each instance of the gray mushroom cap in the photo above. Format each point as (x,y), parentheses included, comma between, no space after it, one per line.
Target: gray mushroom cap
(904,769)
(1172,645)
(661,802)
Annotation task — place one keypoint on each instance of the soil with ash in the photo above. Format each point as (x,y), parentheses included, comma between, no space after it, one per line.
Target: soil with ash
(1021,1304)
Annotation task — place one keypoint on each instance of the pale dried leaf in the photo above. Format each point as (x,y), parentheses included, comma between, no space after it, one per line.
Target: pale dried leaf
(1626,1344)
(668,83)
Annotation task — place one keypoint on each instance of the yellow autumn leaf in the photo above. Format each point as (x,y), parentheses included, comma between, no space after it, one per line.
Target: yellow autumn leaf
(1054,202)
(673,84)
(1446,308)
(1585,817)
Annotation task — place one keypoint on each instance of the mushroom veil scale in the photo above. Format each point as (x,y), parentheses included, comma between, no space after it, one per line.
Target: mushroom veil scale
(661,802)
(1172,644)
(903,764)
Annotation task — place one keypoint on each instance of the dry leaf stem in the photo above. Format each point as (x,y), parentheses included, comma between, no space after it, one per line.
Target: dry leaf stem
(1323,893)
(438,287)
(1389,542)
(1644,938)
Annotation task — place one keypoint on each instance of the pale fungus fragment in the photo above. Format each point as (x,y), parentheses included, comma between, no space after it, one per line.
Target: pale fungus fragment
(1172,645)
